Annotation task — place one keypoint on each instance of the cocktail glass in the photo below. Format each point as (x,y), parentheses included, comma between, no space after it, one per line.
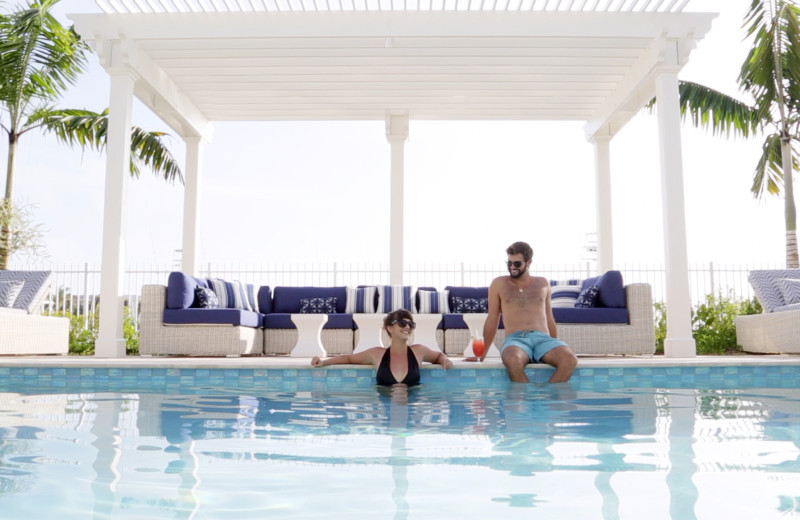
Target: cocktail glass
(478,347)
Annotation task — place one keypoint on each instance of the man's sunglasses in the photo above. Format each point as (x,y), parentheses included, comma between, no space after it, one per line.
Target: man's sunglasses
(405,323)
(516,264)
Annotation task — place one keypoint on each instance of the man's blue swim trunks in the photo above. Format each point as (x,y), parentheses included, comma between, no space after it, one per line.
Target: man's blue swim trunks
(535,343)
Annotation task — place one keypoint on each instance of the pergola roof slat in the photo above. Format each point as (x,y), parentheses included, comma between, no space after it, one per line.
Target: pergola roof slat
(232,6)
(197,61)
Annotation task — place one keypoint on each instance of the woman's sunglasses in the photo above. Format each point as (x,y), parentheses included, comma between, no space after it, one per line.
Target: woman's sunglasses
(405,323)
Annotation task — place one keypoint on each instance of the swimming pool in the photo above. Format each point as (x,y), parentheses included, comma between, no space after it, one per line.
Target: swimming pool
(616,443)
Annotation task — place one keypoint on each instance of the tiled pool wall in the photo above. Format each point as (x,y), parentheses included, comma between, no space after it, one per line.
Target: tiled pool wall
(20,379)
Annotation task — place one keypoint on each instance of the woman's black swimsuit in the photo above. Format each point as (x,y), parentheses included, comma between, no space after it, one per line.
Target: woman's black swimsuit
(385,376)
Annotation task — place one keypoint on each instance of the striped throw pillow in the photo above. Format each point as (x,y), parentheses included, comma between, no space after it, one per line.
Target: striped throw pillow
(564,295)
(573,281)
(361,300)
(231,295)
(433,302)
(220,289)
(393,297)
(250,290)
(240,298)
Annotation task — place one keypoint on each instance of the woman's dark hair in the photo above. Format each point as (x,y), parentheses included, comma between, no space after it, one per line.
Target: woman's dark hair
(399,314)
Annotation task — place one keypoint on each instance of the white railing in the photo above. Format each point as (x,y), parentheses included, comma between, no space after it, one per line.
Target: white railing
(75,285)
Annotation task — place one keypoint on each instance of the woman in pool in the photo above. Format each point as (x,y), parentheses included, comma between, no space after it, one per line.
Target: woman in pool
(400,362)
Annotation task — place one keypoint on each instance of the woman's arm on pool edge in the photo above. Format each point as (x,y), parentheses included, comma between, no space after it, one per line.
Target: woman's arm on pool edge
(435,357)
(366,357)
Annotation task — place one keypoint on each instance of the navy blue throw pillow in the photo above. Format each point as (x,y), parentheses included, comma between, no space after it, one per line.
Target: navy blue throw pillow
(587,297)
(205,298)
(470,305)
(318,305)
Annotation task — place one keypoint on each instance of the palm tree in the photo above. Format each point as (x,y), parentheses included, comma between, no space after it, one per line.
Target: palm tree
(771,76)
(39,60)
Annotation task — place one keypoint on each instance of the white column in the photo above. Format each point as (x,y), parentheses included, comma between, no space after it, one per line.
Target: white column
(190,256)
(396,133)
(679,341)
(602,169)
(110,341)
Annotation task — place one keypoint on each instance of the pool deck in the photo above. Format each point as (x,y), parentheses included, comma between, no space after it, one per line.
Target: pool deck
(458,362)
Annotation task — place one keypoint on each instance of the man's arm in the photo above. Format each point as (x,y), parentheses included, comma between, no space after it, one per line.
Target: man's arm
(551,321)
(493,319)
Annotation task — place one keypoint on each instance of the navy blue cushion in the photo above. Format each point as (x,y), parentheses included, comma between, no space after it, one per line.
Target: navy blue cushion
(473,293)
(212,317)
(180,290)
(456,321)
(469,305)
(264,299)
(287,299)
(593,315)
(610,291)
(284,321)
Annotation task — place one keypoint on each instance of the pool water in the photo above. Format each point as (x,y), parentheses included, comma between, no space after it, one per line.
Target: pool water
(438,451)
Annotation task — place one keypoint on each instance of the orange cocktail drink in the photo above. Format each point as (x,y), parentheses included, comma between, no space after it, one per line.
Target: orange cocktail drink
(478,347)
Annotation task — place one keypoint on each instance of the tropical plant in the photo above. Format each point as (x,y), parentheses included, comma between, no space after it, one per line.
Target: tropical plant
(770,75)
(39,60)
(713,323)
(25,236)
(83,332)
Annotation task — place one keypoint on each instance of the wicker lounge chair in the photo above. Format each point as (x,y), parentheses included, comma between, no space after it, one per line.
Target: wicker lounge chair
(777,329)
(23,330)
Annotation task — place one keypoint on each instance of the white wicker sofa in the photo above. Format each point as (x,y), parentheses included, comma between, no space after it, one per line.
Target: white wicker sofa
(170,323)
(622,322)
(23,330)
(777,329)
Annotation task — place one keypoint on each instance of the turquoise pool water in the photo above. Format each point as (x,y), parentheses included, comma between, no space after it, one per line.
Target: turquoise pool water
(673,443)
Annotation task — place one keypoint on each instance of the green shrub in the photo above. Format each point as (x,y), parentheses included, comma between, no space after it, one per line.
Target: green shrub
(130,334)
(82,337)
(713,323)
(661,326)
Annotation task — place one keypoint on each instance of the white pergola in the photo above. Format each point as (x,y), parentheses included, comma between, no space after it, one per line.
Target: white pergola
(193,62)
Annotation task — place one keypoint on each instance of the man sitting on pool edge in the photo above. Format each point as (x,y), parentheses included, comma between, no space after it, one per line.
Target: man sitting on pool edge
(531,335)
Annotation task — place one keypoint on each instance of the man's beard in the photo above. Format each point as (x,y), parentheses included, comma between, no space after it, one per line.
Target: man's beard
(519,273)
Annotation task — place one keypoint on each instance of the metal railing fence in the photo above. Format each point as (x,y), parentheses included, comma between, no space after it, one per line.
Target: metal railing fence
(76,287)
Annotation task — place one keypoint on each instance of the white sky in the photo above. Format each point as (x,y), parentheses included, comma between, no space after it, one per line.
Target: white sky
(319,192)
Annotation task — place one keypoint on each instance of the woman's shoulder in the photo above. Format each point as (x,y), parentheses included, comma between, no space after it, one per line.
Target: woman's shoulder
(419,349)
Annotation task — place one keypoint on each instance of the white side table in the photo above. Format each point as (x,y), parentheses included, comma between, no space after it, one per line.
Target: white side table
(425,333)
(309,335)
(370,327)
(475,323)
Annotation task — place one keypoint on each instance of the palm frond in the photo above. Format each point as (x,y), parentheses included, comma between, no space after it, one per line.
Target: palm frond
(39,59)
(148,149)
(768,176)
(710,108)
(83,128)
(89,129)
